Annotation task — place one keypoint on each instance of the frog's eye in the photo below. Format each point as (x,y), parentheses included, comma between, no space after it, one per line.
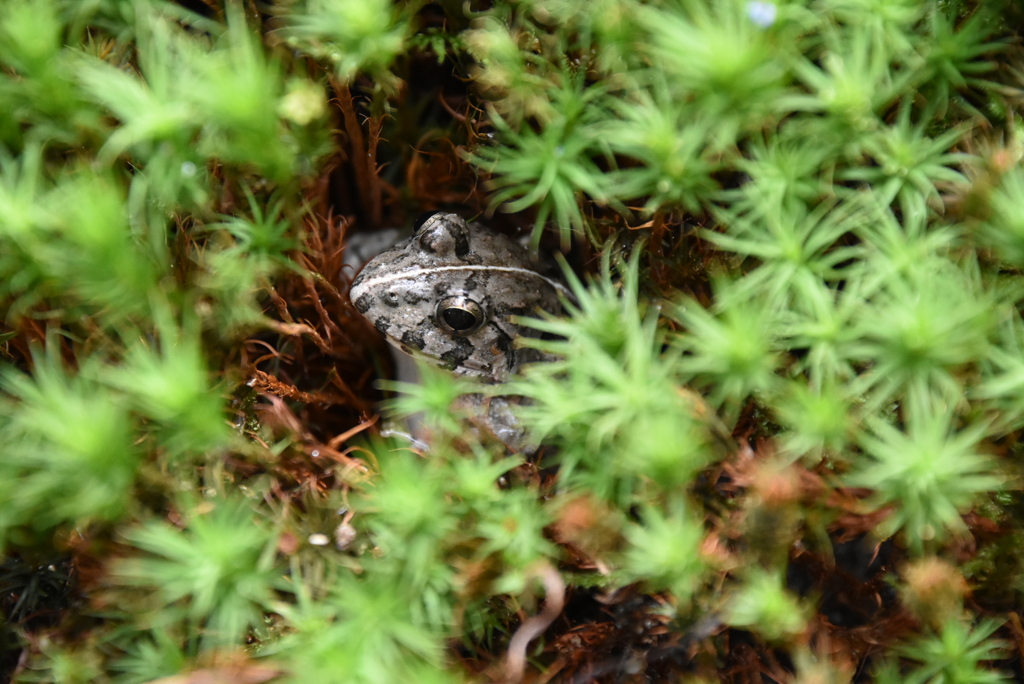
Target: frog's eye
(421,219)
(459,315)
(443,234)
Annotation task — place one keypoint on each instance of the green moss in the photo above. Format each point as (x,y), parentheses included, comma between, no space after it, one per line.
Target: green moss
(793,363)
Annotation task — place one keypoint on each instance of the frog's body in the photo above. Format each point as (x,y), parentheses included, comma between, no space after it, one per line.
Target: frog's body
(448,294)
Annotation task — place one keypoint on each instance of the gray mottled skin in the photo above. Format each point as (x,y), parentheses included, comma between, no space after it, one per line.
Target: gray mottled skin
(403,290)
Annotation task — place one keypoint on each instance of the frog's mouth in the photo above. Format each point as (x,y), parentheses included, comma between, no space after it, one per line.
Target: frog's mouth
(469,369)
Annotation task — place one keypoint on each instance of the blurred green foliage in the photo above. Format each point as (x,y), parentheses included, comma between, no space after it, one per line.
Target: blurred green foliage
(850,171)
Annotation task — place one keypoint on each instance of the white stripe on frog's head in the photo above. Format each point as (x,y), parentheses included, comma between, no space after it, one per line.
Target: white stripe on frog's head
(361,287)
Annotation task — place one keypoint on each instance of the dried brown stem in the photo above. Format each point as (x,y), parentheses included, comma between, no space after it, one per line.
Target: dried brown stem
(362,155)
(268,384)
(296,329)
(376,200)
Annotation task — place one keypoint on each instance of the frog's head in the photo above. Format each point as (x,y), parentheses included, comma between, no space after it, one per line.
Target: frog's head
(449,293)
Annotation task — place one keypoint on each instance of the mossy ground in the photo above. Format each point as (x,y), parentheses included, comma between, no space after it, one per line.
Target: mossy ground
(783,439)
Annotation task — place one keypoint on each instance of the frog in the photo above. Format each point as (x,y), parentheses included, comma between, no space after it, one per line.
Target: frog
(454,294)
